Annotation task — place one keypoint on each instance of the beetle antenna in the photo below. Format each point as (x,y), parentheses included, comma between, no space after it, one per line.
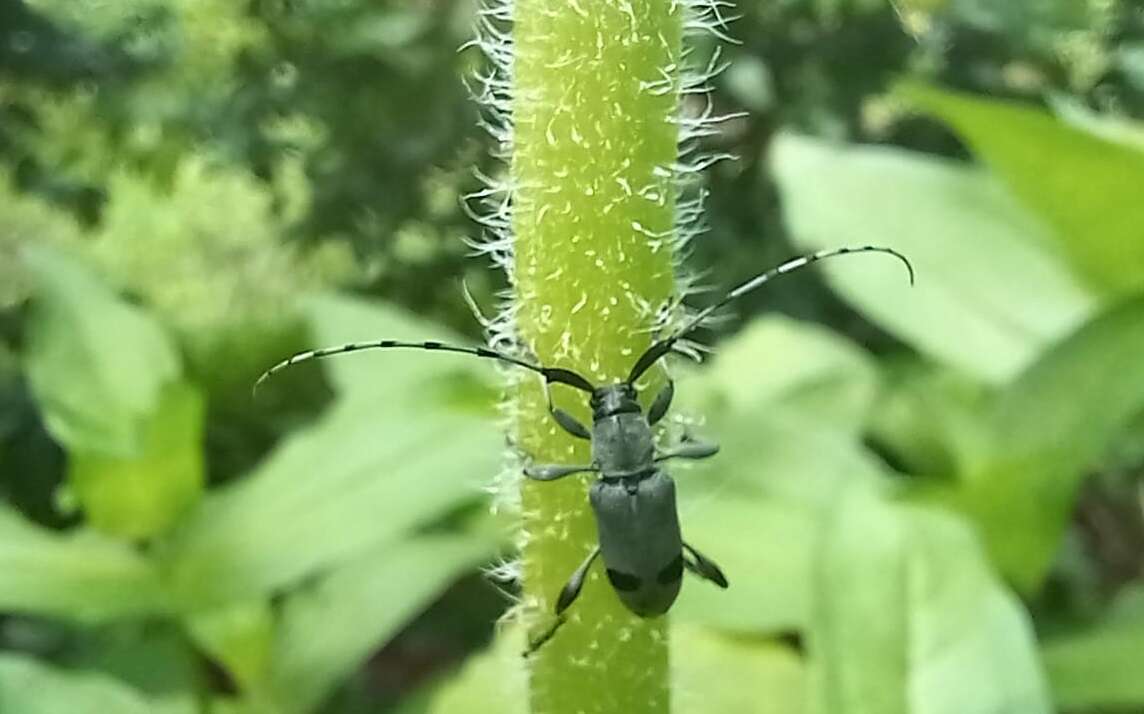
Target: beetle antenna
(662,347)
(550,374)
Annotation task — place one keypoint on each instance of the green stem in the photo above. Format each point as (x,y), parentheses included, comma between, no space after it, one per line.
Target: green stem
(594,102)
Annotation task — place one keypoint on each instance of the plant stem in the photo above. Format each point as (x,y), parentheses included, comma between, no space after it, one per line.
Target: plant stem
(595,139)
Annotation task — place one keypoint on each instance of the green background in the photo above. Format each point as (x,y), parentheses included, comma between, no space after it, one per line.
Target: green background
(928,499)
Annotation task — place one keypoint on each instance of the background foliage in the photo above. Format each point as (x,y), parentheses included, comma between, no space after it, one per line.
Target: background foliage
(928,500)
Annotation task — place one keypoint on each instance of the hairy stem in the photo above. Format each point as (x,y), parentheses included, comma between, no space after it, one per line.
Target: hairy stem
(594,106)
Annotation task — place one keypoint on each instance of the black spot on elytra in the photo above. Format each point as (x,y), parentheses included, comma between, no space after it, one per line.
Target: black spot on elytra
(672,572)
(623,581)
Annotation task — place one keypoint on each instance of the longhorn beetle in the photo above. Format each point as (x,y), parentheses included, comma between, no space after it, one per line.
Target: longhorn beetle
(633,498)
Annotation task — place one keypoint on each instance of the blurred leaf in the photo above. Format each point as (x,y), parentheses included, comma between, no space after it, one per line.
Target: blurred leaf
(1100,668)
(29,687)
(96,364)
(328,629)
(407,376)
(716,673)
(240,637)
(207,272)
(860,616)
(790,432)
(1021,16)
(143,495)
(908,618)
(81,576)
(965,236)
(492,681)
(749,81)
(764,547)
(1050,426)
(371,469)
(931,418)
(795,366)
(363,475)
(153,658)
(1085,186)
(1106,126)
(766,452)
(787,401)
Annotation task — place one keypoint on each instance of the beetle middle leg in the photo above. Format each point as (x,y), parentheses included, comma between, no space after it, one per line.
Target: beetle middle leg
(551,472)
(566,421)
(689,449)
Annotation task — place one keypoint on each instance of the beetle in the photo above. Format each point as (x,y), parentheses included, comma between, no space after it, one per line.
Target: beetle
(633,498)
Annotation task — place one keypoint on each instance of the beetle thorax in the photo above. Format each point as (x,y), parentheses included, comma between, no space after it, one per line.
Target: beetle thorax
(622,445)
(614,399)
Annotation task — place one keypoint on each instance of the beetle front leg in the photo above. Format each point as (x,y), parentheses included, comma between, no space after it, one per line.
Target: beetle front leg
(566,421)
(551,472)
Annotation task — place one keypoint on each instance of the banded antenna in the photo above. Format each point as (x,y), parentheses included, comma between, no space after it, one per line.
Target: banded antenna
(664,346)
(556,375)
(552,375)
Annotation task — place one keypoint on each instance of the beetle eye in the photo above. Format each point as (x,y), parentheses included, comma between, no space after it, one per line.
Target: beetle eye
(623,581)
(672,572)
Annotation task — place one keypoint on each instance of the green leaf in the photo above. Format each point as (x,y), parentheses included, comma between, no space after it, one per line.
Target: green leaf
(368,471)
(81,576)
(329,629)
(30,687)
(493,681)
(764,547)
(1048,428)
(96,364)
(1086,187)
(153,657)
(766,452)
(789,430)
(931,419)
(1100,668)
(363,475)
(794,366)
(1113,128)
(143,495)
(716,673)
(790,438)
(401,375)
(965,235)
(757,510)
(908,618)
(240,637)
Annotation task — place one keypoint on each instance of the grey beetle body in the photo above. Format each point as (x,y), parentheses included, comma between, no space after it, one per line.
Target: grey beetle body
(633,499)
(640,542)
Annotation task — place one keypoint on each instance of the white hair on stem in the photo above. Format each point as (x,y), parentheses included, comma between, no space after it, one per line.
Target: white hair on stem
(491,205)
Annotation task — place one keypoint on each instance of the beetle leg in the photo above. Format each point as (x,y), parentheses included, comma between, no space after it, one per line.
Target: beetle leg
(569,423)
(571,589)
(661,404)
(690,450)
(551,472)
(703,567)
(566,421)
(544,637)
